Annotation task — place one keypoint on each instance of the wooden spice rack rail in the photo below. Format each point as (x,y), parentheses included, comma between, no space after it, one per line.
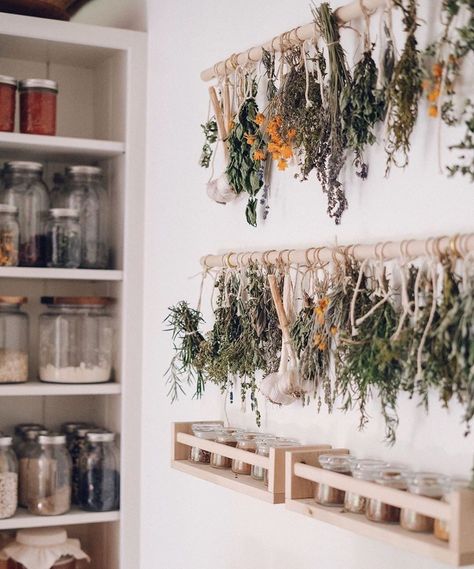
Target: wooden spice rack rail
(274,463)
(303,471)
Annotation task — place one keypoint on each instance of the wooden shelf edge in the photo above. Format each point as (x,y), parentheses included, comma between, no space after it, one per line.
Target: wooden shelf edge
(22,519)
(227,479)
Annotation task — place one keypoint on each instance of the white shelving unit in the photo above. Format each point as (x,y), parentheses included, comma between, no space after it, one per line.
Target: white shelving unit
(101,116)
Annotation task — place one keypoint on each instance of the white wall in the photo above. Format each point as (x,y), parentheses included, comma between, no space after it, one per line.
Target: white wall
(189,523)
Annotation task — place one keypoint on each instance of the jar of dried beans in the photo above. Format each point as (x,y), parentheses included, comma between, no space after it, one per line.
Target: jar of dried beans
(225,436)
(38,98)
(13,340)
(441,527)
(8,87)
(325,494)
(64,238)
(9,235)
(378,511)
(366,469)
(8,479)
(422,484)
(208,432)
(28,449)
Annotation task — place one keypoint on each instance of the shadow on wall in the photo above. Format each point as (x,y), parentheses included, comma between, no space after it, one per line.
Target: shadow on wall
(126,14)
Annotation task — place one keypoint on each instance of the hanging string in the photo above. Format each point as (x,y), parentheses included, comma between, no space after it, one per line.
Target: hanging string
(304,57)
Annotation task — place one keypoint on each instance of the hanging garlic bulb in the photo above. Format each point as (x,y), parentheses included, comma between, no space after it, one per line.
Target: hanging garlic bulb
(219,190)
(270,385)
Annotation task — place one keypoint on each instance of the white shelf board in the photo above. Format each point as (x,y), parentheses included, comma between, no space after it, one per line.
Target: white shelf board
(23,519)
(58,147)
(37,388)
(60,274)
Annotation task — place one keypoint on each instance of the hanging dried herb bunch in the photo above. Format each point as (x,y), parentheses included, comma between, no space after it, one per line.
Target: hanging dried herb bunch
(404,91)
(210,137)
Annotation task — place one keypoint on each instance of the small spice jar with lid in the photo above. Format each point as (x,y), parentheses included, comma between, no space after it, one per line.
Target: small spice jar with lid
(64,238)
(263,449)
(14,327)
(8,479)
(441,527)
(248,442)
(378,511)
(328,495)
(8,87)
(225,436)
(364,469)
(423,484)
(9,235)
(38,99)
(207,431)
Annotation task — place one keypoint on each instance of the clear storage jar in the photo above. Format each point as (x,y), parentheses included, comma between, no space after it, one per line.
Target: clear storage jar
(76,447)
(25,189)
(8,87)
(38,101)
(49,479)
(208,432)
(278,442)
(99,475)
(21,429)
(76,340)
(366,469)
(9,235)
(441,527)
(64,238)
(422,484)
(325,494)
(85,192)
(69,429)
(225,436)
(248,442)
(8,479)
(13,340)
(380,512)
(28,449)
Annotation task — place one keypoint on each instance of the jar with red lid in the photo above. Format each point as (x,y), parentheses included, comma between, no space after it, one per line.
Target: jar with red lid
(38,99)
(7,103)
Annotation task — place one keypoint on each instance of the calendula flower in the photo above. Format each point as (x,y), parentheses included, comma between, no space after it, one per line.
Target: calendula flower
(286,151)
(250,138)
(433,95)
(291,133)
(260,119)
(437,69)
(333,330)
(282,164)
(322,346)
(259,155)
(433,111)
(272,147)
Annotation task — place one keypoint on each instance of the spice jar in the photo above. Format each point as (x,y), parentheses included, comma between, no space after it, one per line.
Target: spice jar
(422,484)
(25,189)
(207,431)
(8,87)
(366,469)
(378,511)
(278,442)
(28,449)
(248,442)
(225,436)
(263,449)
(9,235)
(64,238)
(99,478)
(85,192)
(8,479)
(13,340)
(327,495)
(38,99)
(449,485)
(49,479)
(76,340)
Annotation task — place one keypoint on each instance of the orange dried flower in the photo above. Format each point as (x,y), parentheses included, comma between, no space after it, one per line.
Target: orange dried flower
(250,138)
(317,339)
(286,151)
(322,346)
(433,111)
(282,164)
(433,95)
(333,330)
(260,119)
(291,133)
(437,69)
(259,155)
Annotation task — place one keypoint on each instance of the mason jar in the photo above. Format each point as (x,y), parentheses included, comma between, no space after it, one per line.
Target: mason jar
(380,512)
(365,469)
(38,101)
(208,432)
(86,193)
(9,235)
(8,479)
(20,431)
(76,447)
(99,473)
(70,428)
(13,340)
(49,479)
(441,527)
(76,340)
(64,238)
(28,449)
(25,189)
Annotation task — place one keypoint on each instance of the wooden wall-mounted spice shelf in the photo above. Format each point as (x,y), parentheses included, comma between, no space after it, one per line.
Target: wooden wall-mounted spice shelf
(303,471)
(275,463)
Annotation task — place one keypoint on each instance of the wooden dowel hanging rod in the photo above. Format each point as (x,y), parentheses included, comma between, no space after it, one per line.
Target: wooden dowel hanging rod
(295,36)
(409,248)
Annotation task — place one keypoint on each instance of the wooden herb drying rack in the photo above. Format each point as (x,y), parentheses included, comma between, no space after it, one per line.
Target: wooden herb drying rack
(303,470)
(183,439)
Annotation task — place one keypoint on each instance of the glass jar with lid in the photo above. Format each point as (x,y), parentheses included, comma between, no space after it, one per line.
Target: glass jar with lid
(9,235)
(225,436)
(64,238)
(85,192)
(278,442)
(28,449)
(49,479)
(263,449)
(13,340)
(365,469)
(325,494)
(8,479)
(207,431)
(25,190)
(378,511)
(21,429)
(8,87)
(422,484)
(99,477)
(76,340)
(38,100)
(69,429)
(76,447)
(449,485)
(248,442)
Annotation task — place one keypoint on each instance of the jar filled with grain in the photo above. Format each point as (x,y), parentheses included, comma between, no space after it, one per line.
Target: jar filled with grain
(450,485)
(208,432)
(8,479)
(14,328)
(364,469)
(248,442)
(225,436)
(28,450)
(422,484)
(378,511)
(325,494)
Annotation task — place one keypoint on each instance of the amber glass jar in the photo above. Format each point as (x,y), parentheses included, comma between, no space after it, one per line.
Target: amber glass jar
(365,469)
(378,511)
(38,106)
(7,103)
(248,442)
(422,484)
(328,495)
(441,527)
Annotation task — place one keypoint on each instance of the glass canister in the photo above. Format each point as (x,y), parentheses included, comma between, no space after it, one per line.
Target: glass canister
(422,484)
(9,235)
(8,87)
(86,193)
(13,340)
(207,431)
(76,340)
(25,189)
(328,495)
(225,436)
(64,238)
(8,479)
(76,447)
(248,442)
(441,527)
(49,478)
(99,476)
(21,429)
(365,469)
(38,101)
(378,511)
(29,448)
